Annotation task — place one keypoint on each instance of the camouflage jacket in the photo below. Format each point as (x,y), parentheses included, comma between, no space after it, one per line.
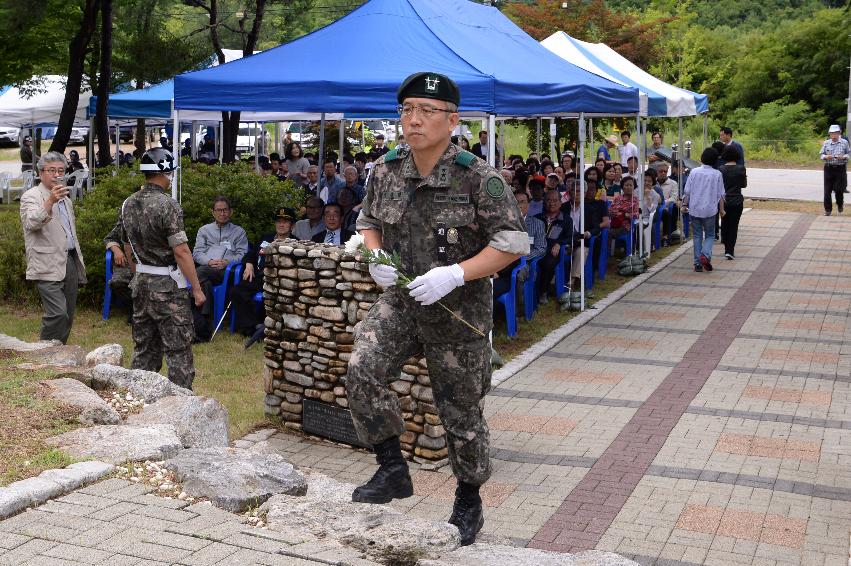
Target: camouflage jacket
(451,215)
(153,222)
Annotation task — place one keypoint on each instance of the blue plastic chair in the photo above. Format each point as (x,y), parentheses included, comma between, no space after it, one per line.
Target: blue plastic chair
(589,264)
(626,238)
(603,262)
(220,293)
(107,293)
(258,297)
(656,231)
(530,297)
(509,300)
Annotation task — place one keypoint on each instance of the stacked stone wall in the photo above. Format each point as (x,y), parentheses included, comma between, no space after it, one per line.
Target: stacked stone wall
(314,295)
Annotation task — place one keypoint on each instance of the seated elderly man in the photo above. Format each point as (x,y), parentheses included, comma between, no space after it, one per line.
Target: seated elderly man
(334,232)
(537,247)
(350,174)
(670,190)
(330,183)
(559,231)
(216,245)
(312,223)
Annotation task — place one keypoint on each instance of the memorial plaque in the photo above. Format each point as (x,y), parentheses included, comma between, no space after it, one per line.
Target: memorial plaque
(329,421)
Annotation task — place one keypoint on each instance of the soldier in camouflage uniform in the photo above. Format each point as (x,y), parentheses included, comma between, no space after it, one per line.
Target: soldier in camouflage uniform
(454,223)
(152,230)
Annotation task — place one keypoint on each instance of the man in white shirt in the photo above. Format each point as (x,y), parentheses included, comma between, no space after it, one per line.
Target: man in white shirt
(627,149)
(312,224)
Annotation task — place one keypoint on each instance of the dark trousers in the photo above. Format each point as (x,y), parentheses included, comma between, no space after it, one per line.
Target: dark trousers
(547,265)
(835,181)
(248,314)
(209,277)
(670,220)
(730,227)
(59,299)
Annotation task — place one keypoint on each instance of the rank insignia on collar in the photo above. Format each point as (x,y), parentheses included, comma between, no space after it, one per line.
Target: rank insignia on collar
(442,175)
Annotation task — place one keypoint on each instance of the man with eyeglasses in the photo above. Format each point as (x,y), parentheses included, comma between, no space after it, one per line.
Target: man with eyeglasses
(312,224)
(454,222)
(54,259)
(216,245)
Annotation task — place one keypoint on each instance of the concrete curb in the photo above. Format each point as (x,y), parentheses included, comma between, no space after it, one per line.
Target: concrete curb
(30,492)
(550,340)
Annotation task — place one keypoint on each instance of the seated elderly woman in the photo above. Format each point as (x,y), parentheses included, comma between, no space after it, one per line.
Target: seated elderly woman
(625,208)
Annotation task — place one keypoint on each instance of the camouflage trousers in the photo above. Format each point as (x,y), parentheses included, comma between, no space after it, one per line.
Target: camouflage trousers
(459,372)
(162,325)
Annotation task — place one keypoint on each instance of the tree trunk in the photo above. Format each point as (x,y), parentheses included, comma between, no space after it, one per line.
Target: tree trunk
(77,57)
(105,74)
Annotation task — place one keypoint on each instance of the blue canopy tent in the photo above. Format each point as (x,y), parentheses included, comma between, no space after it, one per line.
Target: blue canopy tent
(498,67)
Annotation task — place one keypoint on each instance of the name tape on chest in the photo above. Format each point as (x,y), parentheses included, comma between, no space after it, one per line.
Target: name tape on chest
(443,198)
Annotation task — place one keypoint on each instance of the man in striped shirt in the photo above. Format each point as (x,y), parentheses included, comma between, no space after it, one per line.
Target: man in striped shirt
(834,153)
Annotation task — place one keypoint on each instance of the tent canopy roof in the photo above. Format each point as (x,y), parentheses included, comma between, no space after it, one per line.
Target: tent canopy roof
(42,108)
(498,67)
(658,97)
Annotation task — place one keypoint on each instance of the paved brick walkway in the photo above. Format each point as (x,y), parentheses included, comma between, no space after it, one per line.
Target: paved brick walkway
(118,523)
(704,418)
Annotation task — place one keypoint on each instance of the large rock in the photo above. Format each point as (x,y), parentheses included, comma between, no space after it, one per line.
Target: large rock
(93,409)
(11,343)
(327,511)
(119,443)
(499,555)
(60,356)
(148,386)
(112,354)
(200,422)
(234,479)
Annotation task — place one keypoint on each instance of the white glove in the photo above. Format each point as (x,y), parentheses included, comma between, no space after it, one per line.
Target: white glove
(437,283)
(384,275)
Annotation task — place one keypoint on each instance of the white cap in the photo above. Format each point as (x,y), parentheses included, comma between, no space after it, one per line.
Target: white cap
(834,128)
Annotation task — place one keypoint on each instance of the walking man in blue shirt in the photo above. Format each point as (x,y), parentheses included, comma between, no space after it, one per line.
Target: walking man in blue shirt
(704,197)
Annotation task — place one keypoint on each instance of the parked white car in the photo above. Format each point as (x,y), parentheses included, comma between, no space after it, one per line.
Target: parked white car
(9,135)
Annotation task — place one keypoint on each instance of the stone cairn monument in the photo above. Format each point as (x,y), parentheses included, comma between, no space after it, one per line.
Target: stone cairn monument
(314,294)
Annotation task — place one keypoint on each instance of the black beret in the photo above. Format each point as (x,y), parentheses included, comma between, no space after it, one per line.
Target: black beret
(285,213)
(429,85)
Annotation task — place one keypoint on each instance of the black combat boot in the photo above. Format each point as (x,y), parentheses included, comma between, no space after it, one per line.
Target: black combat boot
(467,512)
(391,480)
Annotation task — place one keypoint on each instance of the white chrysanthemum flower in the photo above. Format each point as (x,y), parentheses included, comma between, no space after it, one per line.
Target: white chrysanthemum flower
(354,243)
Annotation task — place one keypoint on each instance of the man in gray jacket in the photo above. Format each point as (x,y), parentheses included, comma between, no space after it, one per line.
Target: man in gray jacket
(216,245)
(54,260)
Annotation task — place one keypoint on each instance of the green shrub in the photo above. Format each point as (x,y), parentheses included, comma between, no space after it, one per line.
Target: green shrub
(254,199)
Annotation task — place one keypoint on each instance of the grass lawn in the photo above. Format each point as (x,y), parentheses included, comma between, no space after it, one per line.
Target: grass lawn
(224,370)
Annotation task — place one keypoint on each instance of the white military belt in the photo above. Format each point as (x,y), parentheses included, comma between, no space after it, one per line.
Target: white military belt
(151,269)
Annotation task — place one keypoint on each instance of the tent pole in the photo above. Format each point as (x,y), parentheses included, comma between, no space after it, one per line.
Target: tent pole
(538,137)
(220,145)
(553,138)
(321,160)
(91,157)
(342,144)
(193,144)
(175,133)
(256,147)
(363,136)
(117,145)
(502,137)
(278,137)
(581,148)
(590,136)
(705,130)
(492,140)
(641,181)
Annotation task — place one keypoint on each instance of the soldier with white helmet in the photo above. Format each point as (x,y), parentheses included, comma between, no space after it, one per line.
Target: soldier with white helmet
(152,227)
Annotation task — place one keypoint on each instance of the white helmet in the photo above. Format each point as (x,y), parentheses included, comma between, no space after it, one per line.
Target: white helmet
(157,160)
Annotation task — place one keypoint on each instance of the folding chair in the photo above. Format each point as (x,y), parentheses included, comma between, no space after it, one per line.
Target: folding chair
(509,300)
(258,298)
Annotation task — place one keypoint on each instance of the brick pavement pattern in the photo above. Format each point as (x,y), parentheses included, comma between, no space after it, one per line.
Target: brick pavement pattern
(701,419)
